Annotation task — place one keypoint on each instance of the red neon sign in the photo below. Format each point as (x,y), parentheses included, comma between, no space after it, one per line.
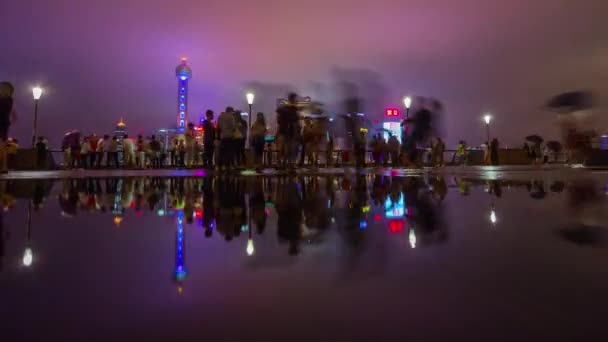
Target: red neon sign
(391,112)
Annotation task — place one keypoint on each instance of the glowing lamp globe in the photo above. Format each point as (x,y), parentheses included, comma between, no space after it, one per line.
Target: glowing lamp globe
(250,97)
(37,93)
(407,101)
(487,118)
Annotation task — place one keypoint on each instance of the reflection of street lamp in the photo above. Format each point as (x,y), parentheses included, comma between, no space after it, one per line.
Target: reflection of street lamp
(487,118)
(250,247)
(250,97)
(407,101)
(28,254)
(37,93)
(412,237)
(493,215)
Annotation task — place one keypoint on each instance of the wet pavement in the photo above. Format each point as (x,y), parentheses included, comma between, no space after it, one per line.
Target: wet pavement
(326,256)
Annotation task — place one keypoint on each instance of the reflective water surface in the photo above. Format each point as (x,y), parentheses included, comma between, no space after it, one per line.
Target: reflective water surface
(359,256)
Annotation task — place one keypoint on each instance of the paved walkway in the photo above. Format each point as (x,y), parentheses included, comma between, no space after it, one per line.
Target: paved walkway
(485,172)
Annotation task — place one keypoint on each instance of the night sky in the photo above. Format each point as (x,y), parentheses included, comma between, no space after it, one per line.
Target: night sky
(100,60)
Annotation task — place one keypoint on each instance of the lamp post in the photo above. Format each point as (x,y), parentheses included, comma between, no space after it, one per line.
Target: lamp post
(487,118)
(407,101)
(250,97)
(37,93)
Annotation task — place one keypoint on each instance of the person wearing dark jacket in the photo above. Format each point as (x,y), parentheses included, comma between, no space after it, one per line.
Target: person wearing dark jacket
(6,116)
(208,139)
(494,152)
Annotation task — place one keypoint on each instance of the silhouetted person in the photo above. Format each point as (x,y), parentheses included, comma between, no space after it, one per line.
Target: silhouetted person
(41,153)
(494,151)
(209,137)
(226,126)
(288,130)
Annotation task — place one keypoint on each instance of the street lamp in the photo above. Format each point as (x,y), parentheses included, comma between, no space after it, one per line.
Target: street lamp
(487,118)
(37,93)
(407,101)
(250,97)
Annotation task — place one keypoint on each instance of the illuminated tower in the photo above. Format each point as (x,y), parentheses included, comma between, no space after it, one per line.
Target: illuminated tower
(183,73)
(180,268)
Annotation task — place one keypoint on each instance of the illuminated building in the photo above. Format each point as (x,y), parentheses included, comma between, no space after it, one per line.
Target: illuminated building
(180,268)
(183,73)
(393,124)
(120,132)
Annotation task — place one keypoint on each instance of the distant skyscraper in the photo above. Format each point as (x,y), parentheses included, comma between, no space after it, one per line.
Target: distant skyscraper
(120,132)
(183,73)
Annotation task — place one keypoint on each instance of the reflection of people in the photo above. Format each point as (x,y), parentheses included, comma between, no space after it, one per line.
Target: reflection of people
(208,206)
(289,211)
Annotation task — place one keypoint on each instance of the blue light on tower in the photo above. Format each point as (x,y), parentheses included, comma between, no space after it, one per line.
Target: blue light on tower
(183,73)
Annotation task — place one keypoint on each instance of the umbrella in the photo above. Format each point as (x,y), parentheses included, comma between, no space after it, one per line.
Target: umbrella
(554,146)
(571,101)
(71,138)
(537,139)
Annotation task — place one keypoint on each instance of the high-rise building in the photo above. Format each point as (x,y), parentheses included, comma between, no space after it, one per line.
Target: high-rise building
(183,73)
(120,132)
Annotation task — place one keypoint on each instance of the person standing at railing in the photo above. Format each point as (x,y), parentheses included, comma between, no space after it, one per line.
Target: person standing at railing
(209,136)
(258,133)
(85,148)
(7,116)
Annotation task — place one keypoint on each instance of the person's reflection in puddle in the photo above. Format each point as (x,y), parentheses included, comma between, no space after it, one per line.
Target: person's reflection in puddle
(496,188)
(537,189)
(379,189)
(424,216)
(289,211)
(257,205)
(209,206)
(439,187)
(227,201)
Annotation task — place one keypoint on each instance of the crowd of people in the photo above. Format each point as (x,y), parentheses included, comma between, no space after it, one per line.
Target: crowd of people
(223,143)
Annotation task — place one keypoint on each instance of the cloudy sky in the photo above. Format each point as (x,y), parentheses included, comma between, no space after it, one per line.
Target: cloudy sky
(100,60)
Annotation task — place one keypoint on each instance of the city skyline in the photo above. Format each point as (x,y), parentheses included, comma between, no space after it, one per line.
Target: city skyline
(98,62)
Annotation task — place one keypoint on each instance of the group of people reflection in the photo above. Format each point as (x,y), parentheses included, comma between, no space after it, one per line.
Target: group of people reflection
(305,206)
